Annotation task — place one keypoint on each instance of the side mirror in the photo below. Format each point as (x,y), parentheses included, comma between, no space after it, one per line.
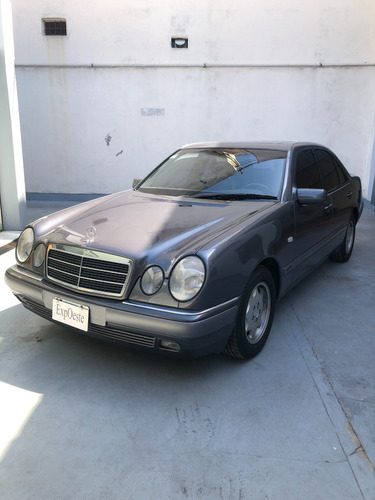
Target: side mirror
(135,183)
(311,196)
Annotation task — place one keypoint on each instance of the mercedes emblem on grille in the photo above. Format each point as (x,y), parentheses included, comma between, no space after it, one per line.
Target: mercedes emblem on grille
(90,235)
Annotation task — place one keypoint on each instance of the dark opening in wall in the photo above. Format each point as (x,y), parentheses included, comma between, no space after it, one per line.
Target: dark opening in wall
(179,43)
(53,27)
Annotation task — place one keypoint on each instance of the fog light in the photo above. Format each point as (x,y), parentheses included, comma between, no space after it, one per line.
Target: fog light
(169,345)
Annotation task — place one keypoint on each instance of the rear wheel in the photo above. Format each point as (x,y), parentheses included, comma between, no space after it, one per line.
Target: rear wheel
(344,251)
(255,316)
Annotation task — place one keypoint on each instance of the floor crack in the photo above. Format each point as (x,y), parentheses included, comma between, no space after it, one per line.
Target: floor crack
(359,449)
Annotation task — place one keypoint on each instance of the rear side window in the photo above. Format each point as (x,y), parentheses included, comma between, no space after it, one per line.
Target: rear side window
(340,172)
(307,174)
(327,169)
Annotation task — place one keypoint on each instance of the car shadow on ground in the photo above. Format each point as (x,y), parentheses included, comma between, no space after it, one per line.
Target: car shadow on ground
(116,419)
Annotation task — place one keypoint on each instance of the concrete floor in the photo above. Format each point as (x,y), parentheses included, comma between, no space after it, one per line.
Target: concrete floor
(81,419)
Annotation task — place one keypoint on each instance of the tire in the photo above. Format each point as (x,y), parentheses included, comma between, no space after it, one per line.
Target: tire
(255,316)
(344,251)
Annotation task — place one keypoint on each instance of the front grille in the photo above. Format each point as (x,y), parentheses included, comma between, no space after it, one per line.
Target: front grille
(109,332)
(88,271)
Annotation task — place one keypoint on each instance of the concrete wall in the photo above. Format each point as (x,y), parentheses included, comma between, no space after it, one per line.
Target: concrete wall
(12,182)
(110,100)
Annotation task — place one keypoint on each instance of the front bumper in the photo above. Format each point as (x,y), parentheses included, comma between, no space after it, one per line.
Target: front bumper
(197,333)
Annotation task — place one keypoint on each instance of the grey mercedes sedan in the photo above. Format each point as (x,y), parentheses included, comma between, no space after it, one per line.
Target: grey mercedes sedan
(192,260)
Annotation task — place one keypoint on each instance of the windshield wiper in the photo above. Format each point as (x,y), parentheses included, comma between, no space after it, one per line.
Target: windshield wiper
(234,196)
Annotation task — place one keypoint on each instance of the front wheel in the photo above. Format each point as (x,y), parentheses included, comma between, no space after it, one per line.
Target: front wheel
(344,251)
(255,316)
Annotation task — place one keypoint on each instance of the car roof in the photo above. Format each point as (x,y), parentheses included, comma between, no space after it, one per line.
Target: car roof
(273,145)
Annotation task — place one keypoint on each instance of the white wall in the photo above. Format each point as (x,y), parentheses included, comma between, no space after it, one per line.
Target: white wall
(292,70)
(12,182)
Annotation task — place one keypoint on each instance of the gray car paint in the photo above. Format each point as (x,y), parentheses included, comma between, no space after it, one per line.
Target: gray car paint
(232,238)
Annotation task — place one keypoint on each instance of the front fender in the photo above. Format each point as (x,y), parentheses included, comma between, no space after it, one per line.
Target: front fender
(232,259)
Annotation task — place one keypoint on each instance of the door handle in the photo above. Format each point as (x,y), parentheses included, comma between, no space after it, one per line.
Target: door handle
(328,209)
(350,194)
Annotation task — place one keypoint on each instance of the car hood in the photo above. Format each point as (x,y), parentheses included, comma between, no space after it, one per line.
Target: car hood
(134,224)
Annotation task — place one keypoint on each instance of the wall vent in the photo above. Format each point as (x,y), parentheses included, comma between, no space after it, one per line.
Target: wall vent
(54,27)
(179,43)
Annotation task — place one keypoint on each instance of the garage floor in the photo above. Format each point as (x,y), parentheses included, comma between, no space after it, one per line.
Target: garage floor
(81,419)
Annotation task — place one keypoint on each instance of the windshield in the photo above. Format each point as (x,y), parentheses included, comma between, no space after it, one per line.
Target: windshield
(222,173)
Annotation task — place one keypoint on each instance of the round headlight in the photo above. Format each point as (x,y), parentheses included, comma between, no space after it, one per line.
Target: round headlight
(39,255)
(152,280)
(187,278)
(25,244)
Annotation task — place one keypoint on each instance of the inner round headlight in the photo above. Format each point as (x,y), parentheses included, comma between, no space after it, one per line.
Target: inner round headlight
(152,280)
(25,245)
(187,278)
(39,255)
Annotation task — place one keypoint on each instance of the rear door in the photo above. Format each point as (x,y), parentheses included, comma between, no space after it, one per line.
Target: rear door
(313,223)
(336,183)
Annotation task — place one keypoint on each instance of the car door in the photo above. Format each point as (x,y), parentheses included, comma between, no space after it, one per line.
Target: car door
(335,182)
(313,223)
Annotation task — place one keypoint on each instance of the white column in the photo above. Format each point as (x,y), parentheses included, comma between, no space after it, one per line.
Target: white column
(12,180)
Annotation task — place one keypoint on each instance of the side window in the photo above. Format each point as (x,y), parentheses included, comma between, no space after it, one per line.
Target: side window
(307,174)
(327,169)
(340,172)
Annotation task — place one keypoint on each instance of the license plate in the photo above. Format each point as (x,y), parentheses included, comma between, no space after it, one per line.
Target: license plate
(70,314)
